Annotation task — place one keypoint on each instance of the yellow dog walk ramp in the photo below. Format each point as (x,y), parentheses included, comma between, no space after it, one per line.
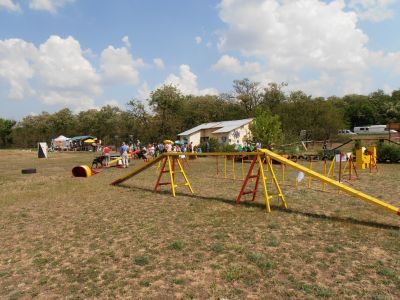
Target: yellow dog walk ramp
(344,188)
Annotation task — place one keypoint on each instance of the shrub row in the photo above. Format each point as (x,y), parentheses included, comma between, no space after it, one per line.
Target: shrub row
(388,153)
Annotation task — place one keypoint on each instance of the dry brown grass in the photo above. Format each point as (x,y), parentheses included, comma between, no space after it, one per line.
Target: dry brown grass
(65,237)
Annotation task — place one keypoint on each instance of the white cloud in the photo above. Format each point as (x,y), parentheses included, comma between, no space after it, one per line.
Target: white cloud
(144,91)
(159,63)
(294,34)
(56,72)
(118,66)
(126,42)
(186,82)
(231,64)
(16,68)
(48,5)
(307,39)
(198,39)
(10,5)
(113,103)
(373,10)
(65,76)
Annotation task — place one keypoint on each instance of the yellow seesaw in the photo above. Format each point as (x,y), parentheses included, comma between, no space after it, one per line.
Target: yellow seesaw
(259,158)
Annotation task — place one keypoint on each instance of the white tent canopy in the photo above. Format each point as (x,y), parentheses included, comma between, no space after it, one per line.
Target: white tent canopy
(60,142)
(61,138)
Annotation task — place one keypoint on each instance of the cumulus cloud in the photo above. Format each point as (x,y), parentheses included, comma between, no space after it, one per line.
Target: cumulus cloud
(159,63)
(231,64)
(113,103)
(16,57)
(297,37)
(64,75)
(373,10)
(144,91)
(10,5)
(186,82)
(48,5)
(118,66)
(294,33)
(126,42)
(55,72)
(198,39)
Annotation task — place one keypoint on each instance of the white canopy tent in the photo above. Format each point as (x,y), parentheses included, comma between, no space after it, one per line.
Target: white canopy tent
(61,142)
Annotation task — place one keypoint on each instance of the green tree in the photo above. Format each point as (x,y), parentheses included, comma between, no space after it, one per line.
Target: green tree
(319,117)
(196,110)
(167,103)
(140,122)
(62,122)
(248,93)
(33,129)
(266,128)
(5,131)
(273,95)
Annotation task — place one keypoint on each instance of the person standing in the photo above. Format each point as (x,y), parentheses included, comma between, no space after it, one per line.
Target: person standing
(124,155)
(106,153)
(191,147)
(168,147)
(207,146)
(325,147)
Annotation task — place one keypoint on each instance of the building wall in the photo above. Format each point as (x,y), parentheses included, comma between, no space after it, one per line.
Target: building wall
(194,137)
(208,132)
(239,135)
(236,136)
(221,137)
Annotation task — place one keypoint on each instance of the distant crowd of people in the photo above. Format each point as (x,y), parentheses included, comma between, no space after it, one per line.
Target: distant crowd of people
(135,150)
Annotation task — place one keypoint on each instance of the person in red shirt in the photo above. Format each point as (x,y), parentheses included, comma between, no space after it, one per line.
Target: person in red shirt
(106,153)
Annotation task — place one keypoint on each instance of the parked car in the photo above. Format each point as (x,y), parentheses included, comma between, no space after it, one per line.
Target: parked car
(346,131)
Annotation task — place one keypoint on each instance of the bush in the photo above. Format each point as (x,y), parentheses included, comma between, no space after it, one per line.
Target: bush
(388,153)
(228,148)
(213,145)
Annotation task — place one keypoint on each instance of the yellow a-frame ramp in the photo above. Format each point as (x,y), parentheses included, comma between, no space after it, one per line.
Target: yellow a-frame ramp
(138,170)
(281,159)
(346,189)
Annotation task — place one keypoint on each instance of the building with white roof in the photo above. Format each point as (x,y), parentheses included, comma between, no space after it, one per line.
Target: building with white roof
(226,132)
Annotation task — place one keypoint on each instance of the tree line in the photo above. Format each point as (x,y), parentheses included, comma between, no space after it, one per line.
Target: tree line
(169,112)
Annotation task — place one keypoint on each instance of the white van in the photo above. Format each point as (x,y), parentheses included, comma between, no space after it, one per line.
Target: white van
(361,129)
(373,129)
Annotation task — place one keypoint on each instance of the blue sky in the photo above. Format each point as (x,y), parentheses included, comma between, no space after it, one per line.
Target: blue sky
(85,54)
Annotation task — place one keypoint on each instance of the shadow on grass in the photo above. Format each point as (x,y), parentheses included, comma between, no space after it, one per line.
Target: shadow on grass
(347,220)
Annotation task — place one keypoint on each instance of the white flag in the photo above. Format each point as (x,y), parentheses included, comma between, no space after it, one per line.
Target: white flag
(300,176)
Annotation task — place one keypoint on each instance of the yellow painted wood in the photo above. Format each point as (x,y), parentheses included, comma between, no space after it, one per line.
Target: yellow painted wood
(342,187)
(225,166)
(138,170)
(233,168)
(187,182)
(264,183)
(171,175)
(275,181)
(242,167)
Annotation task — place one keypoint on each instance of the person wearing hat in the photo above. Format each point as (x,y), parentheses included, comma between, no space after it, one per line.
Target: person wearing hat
(168,147)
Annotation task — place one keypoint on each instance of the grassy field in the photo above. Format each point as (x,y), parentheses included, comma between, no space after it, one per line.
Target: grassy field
(80,238)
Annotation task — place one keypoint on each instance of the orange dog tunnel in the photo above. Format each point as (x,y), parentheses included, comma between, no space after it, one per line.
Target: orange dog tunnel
(82,171)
